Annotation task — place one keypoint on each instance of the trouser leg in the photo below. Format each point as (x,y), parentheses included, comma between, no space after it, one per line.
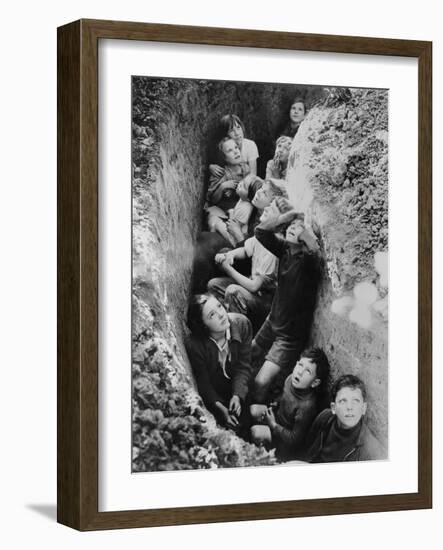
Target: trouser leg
(218,286)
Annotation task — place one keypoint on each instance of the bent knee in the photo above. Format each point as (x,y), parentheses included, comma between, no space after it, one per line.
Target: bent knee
(233,290)
(212,283)
(256,411)
(261,435)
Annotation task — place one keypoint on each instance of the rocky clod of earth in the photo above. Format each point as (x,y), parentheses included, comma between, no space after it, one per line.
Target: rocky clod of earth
(337,175)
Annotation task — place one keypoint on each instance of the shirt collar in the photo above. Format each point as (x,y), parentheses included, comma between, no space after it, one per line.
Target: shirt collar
(227,340)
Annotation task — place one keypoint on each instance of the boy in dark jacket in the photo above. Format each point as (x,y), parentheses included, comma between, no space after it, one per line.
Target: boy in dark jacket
(285,331)
(302,397)
(340,434)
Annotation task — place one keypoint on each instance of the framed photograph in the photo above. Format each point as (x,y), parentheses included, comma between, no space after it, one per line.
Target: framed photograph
(244,275)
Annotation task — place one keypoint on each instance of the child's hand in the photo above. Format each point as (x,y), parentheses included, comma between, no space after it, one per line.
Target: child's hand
(228,419)
(269,418)
(235,406)
(216,170)
(309,239)
(229,257)
(220,258)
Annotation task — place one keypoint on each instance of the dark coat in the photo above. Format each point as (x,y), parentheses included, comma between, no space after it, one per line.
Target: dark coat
(212,384)
(366,446)
(297,283)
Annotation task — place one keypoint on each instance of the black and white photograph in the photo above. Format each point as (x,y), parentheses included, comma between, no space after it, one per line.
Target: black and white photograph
(259,274)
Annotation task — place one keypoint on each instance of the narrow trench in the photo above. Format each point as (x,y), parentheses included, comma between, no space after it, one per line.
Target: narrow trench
(174,124)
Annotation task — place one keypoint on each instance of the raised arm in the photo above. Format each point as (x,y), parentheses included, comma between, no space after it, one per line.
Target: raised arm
(270,220)
(270,241)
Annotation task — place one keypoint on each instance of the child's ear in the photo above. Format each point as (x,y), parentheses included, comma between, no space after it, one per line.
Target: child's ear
(365,406)
(316,383)
(333,407)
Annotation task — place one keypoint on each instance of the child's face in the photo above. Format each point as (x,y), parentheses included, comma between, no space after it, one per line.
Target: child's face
(304,374)
(297,112)
(282,152)
(231,152)
(214,316)
(236,132)
(294,231)
(263,197)
(349,406)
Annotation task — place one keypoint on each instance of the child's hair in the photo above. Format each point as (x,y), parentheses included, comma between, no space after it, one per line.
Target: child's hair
(195,315)
(298,99)
(323,369)
(318,356)
(348,381)
(283,139)
(277,188)
(228,122)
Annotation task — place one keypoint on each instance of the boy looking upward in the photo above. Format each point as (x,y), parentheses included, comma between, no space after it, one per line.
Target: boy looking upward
(302,397)
(340,433)
(285,331)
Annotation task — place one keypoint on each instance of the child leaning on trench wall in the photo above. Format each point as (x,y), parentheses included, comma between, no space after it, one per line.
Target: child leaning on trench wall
(219,350)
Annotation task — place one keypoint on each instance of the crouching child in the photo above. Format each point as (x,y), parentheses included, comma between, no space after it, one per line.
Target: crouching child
(303,395)
(340,433)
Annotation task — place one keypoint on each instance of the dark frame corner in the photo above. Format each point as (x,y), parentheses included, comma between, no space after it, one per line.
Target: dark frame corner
(77,319)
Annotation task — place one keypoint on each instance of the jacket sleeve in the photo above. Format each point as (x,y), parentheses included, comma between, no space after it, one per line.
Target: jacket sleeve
(270,241)
(315,430)
(295,436)
(199,364)
(243,369)
(218,185)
